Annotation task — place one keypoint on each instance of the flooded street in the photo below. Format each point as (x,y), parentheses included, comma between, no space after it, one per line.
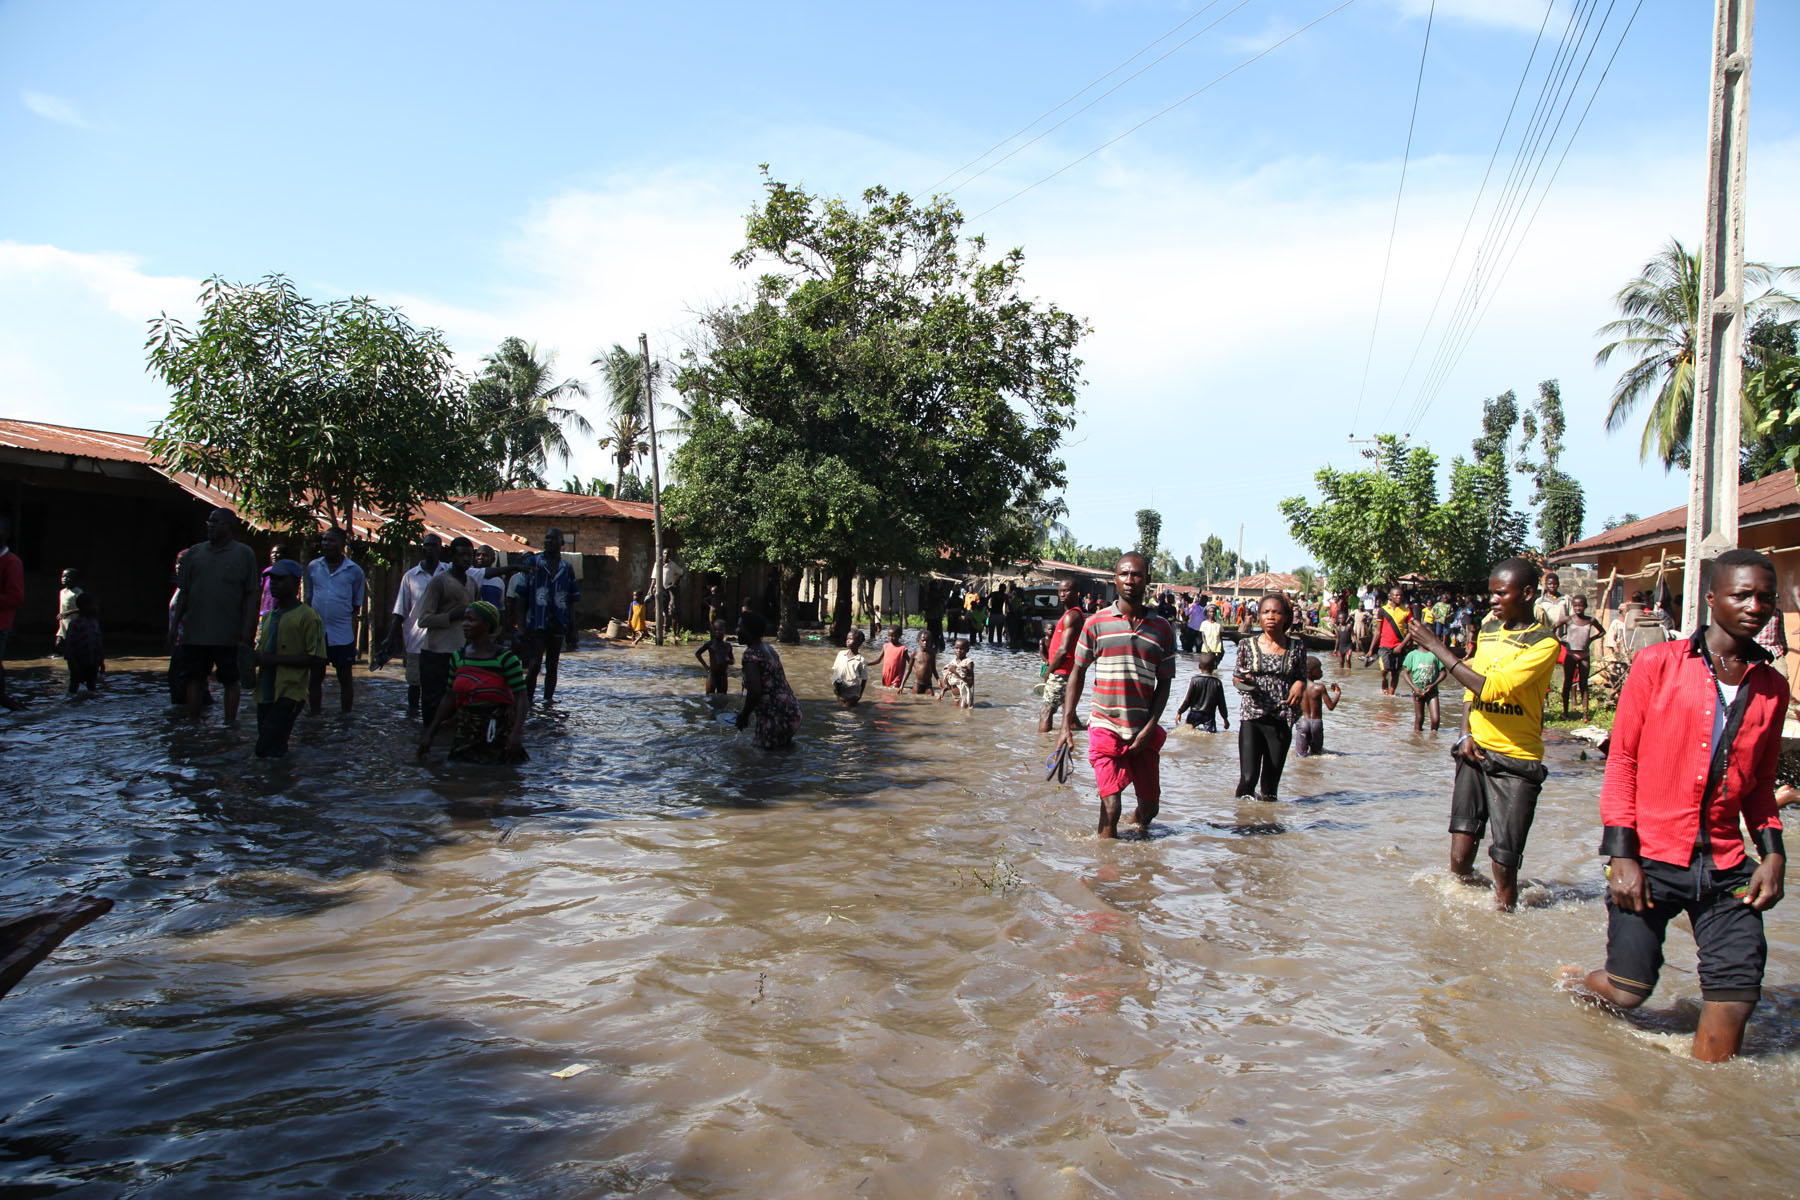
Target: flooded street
(892,963)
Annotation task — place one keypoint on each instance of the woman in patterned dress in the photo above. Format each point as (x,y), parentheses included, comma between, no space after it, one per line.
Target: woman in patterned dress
(486,703)
(766,690)
(1270,675)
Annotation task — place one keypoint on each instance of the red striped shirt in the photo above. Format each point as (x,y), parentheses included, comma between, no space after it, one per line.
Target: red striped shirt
(1127,661)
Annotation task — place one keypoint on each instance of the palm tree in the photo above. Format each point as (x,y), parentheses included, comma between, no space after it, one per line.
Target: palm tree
(526,412)
(1658,313)
(629,424)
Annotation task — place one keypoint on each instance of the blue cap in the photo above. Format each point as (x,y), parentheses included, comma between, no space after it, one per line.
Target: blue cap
(286,566)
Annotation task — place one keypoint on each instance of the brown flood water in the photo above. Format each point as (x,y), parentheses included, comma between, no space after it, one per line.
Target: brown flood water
(893,963)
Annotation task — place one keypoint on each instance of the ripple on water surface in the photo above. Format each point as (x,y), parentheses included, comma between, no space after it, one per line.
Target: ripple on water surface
(891,962)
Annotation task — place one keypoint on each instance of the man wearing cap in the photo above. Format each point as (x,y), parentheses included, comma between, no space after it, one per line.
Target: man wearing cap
(336,589)
(290,646)
(217,590)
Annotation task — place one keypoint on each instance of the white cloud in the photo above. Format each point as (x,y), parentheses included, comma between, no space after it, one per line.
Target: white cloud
(1516,14)
(54,108)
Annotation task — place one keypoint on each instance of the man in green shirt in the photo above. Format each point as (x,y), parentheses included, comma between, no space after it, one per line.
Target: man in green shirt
(290,644)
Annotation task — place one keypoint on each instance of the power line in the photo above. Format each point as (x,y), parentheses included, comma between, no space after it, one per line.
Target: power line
(1077,94)
(1394,226)
(1468,223)
(1097,99)
(1557,170)
(1534,146)
(1510,194)
(1164,111)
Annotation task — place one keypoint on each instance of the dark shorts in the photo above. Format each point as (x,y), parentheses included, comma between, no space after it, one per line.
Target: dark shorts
(1728,932)
(197,662)
(1575,667)
(1343,639)
(1501,792)
(1390,659)
(341,657)
(3,633)
(1428,695)
(274,722)
(535,643)
(1309,736)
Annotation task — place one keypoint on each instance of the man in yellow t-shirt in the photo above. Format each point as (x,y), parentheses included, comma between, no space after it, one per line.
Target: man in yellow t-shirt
(1500,756)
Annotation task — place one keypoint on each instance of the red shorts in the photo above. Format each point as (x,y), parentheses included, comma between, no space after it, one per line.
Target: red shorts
(1115,770)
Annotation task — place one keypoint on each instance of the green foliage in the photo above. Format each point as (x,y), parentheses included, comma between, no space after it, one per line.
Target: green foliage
(1658,313)
(1561,504)
(1216,562)
(890,393)
(1612,523)
(1477,525)
(305,409)
(1149,523)
(523,414)
(1308,578)
(628,409)
(1373,524)
(1772,398)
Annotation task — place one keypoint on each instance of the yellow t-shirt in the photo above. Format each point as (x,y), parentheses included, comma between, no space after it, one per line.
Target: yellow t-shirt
(1508,717)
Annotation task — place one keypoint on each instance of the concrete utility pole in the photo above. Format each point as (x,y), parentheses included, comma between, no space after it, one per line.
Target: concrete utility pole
(656,584)
(1719,367)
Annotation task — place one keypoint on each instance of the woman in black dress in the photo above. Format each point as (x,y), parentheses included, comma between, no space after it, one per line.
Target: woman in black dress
(1270,675)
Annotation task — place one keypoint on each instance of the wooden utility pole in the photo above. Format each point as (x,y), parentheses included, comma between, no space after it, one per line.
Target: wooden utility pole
(656,562)
(1237,585)
(1712,524)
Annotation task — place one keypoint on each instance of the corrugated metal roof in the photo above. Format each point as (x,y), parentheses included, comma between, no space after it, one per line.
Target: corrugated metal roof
(1773,497)
(547,502)
(1262,581)
(439,517)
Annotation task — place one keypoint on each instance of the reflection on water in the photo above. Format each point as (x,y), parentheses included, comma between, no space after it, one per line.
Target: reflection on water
(891,963)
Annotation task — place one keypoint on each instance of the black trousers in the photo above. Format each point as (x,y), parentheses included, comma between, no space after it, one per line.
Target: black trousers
(434,681)
(1262,753)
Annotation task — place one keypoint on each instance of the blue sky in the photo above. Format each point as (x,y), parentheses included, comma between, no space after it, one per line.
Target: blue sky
(578,173)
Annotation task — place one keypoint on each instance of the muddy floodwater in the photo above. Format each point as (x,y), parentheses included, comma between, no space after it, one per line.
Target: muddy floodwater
(891,963)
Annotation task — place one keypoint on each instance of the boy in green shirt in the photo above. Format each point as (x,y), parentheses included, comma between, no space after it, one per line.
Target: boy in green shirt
(1421,670)
(290,643)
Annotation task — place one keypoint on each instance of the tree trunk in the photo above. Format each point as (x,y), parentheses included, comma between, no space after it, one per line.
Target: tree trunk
(840,608)
(932,596)
(790,606)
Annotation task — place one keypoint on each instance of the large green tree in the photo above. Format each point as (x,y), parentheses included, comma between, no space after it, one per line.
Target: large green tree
(1374,524)
(1658,312)
(1149,523)
(525,412)
(889,396)
(628,402)
(1560,501)
(306,409)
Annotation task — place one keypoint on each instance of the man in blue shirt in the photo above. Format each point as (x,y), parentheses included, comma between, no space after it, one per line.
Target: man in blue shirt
(544,608)
(336,589)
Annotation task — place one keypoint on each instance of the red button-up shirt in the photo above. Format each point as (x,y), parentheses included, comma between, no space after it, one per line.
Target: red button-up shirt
(1657,766)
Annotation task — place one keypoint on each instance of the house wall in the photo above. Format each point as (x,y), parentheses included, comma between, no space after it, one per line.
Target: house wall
(122,534)
(1780,540)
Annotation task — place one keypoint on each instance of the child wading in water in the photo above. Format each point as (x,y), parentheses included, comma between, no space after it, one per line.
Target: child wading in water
(1578,631)
(850,671)
(1422,671)
(716,657)
(896,660)
(1315,699)
(1205,697)
(921,665)
(959,677)
(640,625)
(81,647)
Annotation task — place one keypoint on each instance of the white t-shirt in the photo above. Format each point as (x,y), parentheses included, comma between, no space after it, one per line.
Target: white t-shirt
(850,670)
(406,604)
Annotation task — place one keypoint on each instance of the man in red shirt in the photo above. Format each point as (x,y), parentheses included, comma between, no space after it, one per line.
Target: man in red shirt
(12,595)
(1392,620)
(1131,651)
(1694,748)
(1059,652)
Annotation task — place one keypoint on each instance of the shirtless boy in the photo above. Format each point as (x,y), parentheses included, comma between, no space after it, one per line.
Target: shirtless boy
(921,666)
(1315,699)
(1577,632)
(716,656)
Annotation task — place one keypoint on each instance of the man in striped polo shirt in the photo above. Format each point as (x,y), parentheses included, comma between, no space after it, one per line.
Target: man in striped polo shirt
(1132,653)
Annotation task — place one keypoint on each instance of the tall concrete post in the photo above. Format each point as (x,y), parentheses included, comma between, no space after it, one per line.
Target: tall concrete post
(1719,367)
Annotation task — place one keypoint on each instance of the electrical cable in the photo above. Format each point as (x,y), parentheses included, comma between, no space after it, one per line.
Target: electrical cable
(1469,222)
(1557,170)
(1394,226)
(1097,99)
(1074,96)
(1164,111)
